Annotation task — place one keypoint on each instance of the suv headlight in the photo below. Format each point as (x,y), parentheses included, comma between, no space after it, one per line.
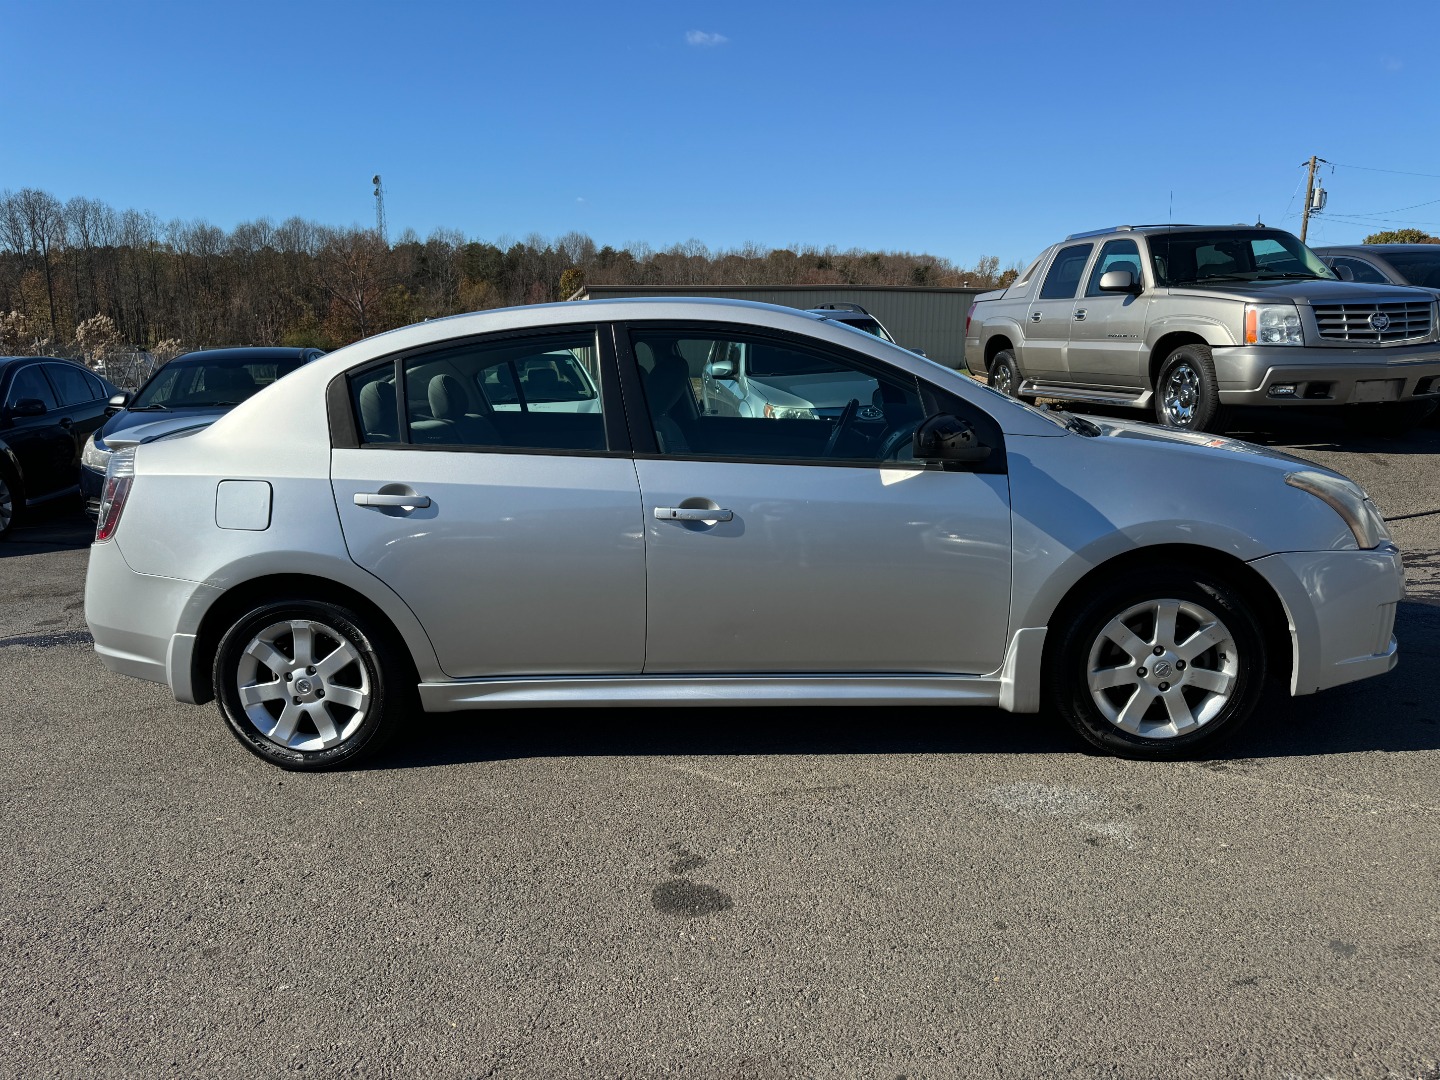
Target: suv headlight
(1349,501)
(788,412)
(1273,324)
(93,456)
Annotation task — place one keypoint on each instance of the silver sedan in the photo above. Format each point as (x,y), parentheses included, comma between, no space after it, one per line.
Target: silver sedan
(410,523)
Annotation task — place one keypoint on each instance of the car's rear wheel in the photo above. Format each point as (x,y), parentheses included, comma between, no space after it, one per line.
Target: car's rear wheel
(1159,665)
(306,684)
(1187,394)
(1005,375)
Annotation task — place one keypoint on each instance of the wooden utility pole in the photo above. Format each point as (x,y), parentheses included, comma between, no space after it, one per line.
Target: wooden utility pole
(1309,190)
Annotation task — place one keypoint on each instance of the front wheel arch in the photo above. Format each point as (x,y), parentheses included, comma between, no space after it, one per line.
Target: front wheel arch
(242,597)
(1275,623)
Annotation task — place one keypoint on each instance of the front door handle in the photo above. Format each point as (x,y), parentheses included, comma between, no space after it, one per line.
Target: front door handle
(410,502)
(691,513)
(1034,316)
(1080,314)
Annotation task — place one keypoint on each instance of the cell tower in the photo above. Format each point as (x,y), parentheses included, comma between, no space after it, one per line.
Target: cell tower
(380,208)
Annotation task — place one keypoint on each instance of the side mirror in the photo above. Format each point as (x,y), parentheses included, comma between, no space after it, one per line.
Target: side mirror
(947,438)
(720,369)
(1119,281)
(1344,273)
(118,402)
(28,406)
(919,352)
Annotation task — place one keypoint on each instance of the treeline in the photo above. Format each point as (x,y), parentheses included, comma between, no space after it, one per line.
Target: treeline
(80,277)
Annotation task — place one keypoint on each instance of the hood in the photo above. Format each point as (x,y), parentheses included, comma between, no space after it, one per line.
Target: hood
(1307,292)
(128,428)
(1200,443)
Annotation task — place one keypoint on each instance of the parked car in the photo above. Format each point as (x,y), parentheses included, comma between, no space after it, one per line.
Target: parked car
(48,407)
(1386,264)
(375,535)
(856,316)
(1189,320)
(189,393)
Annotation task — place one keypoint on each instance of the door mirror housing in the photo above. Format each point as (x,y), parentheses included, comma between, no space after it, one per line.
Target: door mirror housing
(28,406)
(118,402)
(720,369)
(1344,273)
(947,438)
(1119,281)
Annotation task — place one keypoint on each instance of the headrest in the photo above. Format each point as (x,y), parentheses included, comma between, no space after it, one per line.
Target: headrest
(448,400)
(377,408)
(666,380)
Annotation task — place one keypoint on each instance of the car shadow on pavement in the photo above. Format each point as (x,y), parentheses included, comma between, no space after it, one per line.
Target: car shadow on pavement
(63,530)
(1394,713)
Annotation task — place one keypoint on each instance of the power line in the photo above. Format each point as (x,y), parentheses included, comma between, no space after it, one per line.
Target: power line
(1370,168)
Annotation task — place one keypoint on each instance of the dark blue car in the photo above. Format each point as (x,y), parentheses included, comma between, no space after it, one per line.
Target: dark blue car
(189,393)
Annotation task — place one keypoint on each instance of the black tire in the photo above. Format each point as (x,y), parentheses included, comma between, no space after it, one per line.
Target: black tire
(1187,394)
(1005,375)
(1128,714)
(1387,419)
(338,715)
(11,502)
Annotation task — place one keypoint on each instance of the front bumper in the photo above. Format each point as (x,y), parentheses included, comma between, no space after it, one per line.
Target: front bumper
(143,626)
(1327,376)
(1341,608)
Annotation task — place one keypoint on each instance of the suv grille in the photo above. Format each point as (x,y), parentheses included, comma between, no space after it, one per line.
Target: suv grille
(1358,322)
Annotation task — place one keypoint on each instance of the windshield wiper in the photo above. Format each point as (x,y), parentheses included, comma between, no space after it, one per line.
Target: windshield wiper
(156,407)
(1078,424)
(1213,277)
(1294,274)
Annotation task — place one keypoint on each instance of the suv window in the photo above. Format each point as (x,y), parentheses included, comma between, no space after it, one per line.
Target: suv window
(71,384)
(29,382)
(1115,255)
(1064,277)
(534,393)
(1361,271)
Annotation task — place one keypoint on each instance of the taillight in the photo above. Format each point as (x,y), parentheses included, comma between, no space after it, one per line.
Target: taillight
(968,316)
(119,478)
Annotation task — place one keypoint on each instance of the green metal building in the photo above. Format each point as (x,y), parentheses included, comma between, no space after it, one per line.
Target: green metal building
(929,319)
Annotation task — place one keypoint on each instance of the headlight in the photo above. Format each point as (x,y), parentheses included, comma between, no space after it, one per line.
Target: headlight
(95,457)
(1349,501)
(789,412)
(1273,324)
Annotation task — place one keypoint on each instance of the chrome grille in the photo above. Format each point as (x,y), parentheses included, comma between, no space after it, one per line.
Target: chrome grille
(1402,321)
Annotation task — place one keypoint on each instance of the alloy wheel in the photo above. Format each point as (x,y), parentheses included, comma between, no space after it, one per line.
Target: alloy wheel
(7,506)
(302,685)
(1163,668)
(1181,394)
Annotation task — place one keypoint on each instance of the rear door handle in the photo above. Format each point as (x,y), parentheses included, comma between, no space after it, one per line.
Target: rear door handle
(688,513)
(370,498)
(1080,314)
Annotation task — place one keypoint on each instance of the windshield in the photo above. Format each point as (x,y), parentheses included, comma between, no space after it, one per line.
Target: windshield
(202,383)
(870,326)
(1419,267)
(1187,258)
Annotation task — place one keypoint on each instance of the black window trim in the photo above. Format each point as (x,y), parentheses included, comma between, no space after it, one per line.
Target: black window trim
(642,432)
(345,424)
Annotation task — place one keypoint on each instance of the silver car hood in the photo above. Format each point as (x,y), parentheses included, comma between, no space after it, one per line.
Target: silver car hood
(1304,291)
(1200,443)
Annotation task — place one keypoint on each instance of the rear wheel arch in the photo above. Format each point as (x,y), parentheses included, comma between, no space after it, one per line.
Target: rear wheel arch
(998,343)
(247,595)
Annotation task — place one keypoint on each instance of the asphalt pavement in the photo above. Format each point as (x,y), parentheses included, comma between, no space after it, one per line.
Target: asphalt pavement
(747,893)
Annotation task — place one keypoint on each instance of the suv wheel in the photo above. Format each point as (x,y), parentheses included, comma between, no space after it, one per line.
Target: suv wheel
(1187,394)
(1159,665)
(303,684)
(1005,375)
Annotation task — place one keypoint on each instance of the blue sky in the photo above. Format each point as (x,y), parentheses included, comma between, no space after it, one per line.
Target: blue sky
(957,129)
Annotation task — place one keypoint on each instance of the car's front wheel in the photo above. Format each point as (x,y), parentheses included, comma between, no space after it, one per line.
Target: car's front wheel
(306,684)
(1158,665)
(1187,394)
(9,504)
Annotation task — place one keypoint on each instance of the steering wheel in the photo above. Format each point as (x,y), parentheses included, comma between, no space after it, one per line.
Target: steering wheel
(842,424)
(898,438)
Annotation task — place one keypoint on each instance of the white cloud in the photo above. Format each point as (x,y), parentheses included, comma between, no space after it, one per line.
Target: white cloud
(704,39)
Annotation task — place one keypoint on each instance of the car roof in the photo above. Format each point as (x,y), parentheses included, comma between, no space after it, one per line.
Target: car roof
(247,352)
(1151,230)
(7,362)
(1379,249)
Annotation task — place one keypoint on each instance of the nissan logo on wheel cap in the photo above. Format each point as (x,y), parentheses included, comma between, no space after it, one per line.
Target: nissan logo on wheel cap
(1379,322)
